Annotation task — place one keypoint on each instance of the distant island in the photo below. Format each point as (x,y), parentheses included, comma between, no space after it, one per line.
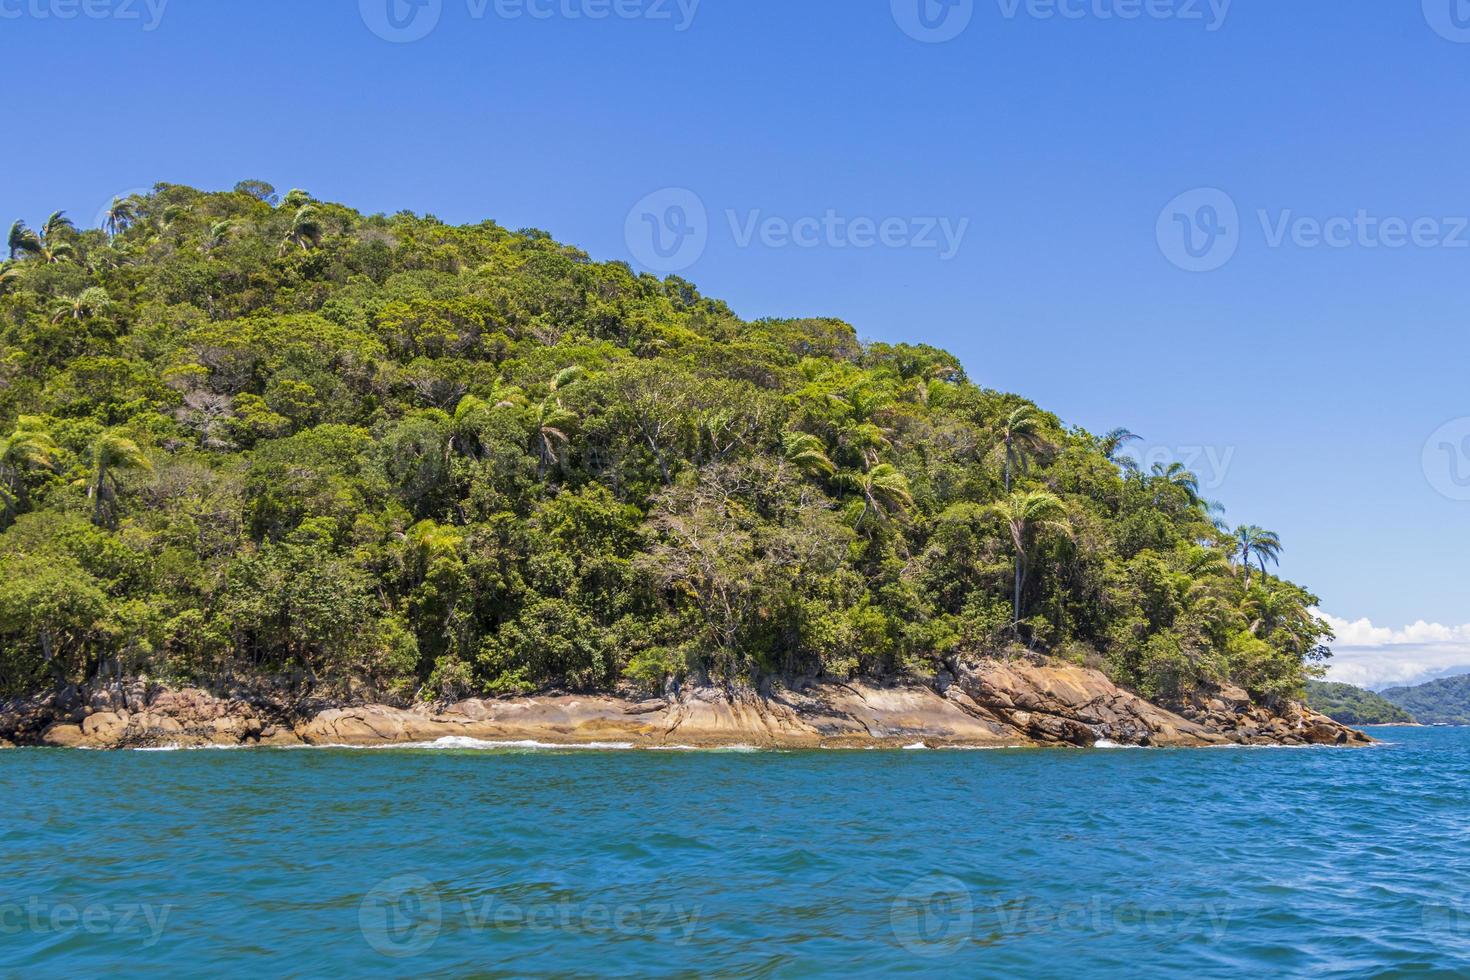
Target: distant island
(1354,705)
(263,457)
(1441,702)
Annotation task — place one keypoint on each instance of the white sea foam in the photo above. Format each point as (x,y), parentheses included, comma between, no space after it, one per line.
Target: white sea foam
(696,748)
(527,745)
(977,748)
(1104,743)
(916,747)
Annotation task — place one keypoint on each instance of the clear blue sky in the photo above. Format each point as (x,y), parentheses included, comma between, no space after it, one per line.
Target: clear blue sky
(1318,372)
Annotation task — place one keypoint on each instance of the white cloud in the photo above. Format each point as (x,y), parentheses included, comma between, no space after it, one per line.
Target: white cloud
(1377,656)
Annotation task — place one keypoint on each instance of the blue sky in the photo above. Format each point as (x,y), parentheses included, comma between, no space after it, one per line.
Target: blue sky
(1063,144)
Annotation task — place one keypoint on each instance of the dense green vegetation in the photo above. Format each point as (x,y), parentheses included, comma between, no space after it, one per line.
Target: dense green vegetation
(248,436)
(1354,706)
(1442,702)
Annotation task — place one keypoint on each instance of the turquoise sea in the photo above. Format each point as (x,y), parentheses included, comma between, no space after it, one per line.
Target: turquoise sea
(519,862)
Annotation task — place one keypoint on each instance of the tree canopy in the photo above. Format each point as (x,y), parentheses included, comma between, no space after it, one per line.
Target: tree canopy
(248,433)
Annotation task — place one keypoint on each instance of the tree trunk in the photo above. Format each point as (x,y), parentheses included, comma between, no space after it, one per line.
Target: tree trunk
(1020,580)
(97,491)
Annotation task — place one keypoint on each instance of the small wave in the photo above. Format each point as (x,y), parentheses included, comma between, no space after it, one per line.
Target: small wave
(916,747)
(1105,743)
(463,742)
(696,748)
(976,748)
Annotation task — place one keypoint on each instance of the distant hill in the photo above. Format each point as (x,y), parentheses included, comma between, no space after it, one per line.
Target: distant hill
(1355,706)
(1442,702)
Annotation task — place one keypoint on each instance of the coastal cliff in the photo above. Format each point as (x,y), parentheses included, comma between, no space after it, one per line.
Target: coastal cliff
(986,704)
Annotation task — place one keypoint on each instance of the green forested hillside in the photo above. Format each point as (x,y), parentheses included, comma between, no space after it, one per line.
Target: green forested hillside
(1442,702)
(1354,706)
(244,435)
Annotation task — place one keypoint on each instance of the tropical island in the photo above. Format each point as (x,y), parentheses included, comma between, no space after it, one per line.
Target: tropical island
(272,471)
(1354,705)
(1445,701)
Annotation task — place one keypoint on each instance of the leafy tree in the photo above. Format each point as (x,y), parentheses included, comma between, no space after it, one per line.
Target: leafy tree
(1255,542)
(27,449)
(1028,514)
(112,454)
(1021,439)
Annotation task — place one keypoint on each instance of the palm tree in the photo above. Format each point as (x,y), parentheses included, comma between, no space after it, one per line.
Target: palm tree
(885,492)
(1115,440)
(113,454)
(807,454)
(306,228)
(1021,439)
(1177,476)
(46,245)
(295,198)
(121,213)
(1028,514)
(89,302)
(549,422)
(219,233)
(1264,545)
(9,276)
(26,449)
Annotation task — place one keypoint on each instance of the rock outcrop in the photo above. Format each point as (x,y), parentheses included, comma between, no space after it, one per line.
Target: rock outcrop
(1013,703)
(1066,704)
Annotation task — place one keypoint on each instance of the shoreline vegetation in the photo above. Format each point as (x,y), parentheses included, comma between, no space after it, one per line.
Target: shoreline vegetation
(390,475)
(1355,706)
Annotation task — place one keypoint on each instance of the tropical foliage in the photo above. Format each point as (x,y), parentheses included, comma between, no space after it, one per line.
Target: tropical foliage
(1355,706)
(246,435)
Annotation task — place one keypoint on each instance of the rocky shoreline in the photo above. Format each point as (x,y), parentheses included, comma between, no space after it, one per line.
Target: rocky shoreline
(988,704)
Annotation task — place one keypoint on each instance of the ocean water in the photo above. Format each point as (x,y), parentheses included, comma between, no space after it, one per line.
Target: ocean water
(460,860)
